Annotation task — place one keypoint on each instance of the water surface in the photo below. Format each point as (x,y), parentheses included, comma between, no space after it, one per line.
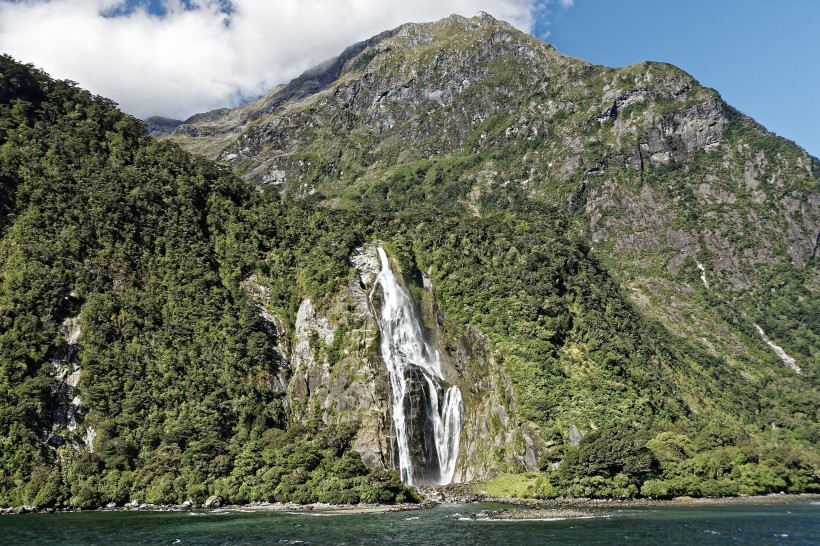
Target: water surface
(793,523)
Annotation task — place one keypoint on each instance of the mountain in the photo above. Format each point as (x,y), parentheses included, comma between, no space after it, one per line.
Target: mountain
(451,252)
(708,223)
(667,181)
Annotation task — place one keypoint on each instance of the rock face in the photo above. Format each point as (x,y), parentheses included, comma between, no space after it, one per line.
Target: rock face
(337,374)
(420,435)
(159,126)
(67,377)
(670,184)
(495,439)
(68,407)
(386,86)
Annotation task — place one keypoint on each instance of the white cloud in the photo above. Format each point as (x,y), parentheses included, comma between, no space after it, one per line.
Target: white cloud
(194,60)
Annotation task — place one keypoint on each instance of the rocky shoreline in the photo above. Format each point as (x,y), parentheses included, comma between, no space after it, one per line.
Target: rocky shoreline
(215,504)
(519,509)
(467,493)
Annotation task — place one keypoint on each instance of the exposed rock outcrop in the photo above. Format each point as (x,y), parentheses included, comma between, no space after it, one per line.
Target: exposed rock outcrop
(68,405)
(338,375)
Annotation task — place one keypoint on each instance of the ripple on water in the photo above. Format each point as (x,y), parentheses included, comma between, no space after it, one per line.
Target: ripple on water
(706,526)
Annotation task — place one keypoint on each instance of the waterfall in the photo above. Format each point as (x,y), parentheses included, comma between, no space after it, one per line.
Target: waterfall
(426,412)
(703,275)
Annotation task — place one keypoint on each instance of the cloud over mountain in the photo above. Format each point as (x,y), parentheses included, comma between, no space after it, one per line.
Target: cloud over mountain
(178,57)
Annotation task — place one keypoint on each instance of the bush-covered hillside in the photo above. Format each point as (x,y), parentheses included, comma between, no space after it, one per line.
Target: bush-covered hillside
(706,223)
(137,364)
(143,246)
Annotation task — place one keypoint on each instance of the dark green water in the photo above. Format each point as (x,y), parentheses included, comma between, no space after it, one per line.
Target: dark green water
(794,523)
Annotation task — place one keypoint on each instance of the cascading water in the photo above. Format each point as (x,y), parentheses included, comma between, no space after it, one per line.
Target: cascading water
(426,413)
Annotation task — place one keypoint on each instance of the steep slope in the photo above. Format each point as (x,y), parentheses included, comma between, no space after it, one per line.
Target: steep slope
(710,223)
(133,365)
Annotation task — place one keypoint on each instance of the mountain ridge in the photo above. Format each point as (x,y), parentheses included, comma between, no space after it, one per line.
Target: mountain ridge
(682,120)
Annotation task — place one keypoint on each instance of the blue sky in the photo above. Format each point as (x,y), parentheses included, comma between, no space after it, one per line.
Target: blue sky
(179,57)
(763,56)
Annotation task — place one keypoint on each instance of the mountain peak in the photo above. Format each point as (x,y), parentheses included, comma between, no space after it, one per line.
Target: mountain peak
(320,77)
(482,18)
(454,51)
(471,113)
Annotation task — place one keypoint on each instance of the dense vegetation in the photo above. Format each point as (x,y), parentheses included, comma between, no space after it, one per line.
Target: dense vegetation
(624,463)
(668,418)
(182,388)
(145,244)
(676,189)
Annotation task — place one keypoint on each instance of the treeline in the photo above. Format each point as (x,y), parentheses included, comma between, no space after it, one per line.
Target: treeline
(624,463)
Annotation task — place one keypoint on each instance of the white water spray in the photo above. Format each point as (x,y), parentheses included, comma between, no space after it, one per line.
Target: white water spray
(412,363)
(703,275)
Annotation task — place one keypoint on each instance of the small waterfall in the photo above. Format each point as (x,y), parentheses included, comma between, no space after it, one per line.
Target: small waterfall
(426,413)
(703,275)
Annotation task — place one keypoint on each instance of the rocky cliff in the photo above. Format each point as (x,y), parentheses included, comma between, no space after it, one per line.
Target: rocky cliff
(334,372)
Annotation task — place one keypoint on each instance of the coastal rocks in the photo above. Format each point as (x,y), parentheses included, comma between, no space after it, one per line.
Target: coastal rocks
(216,502)
(529,514)
(19,510)
(212,502)
(454,493)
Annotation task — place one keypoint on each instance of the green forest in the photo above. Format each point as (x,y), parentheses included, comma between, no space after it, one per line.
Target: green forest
(146,246)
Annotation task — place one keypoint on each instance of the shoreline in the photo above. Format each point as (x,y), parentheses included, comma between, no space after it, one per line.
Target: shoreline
(560,508)
(579,508)
(562,502)
(261,507)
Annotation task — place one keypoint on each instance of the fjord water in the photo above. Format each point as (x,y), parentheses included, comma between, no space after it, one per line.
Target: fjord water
(426,412)
(792,523)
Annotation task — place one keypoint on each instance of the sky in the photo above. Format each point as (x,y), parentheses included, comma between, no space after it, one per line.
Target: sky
(176,58)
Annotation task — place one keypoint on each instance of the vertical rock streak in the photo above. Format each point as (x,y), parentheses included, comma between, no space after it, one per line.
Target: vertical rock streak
(423,408)
(778,350)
